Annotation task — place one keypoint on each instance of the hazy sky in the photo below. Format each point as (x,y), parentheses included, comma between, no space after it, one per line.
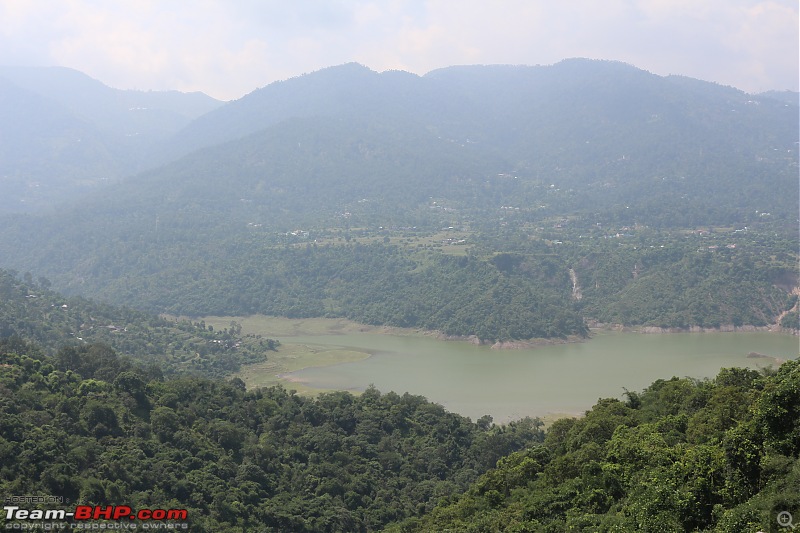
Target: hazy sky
(227,48)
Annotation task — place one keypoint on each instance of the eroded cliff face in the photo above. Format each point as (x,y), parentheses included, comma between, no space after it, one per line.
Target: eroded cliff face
(795,331)
(576,288)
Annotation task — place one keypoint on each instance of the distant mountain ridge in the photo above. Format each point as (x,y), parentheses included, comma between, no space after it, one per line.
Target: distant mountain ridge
(512,110)
(613,135)
(788,97)
(91,98)
(64,133)
(493,97)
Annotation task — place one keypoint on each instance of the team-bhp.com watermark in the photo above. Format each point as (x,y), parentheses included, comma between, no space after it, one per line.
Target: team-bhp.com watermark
(94,517)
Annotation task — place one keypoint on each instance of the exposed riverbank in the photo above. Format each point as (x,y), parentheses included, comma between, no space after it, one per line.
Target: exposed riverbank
(505,345)
(283,328)
(727,328)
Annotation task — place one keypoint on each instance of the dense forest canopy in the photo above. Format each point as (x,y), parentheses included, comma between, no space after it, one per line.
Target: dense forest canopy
(100,431)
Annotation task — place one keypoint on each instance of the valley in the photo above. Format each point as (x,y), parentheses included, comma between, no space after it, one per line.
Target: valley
(384,220)
(240,308)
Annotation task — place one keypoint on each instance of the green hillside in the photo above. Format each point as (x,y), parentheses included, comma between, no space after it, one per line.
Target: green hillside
(91,332)
(718,455)
(265,459)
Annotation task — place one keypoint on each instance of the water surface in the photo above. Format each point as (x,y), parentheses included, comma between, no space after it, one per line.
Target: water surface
(560,379)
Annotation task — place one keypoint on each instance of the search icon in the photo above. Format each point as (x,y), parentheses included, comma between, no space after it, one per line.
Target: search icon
(785,519)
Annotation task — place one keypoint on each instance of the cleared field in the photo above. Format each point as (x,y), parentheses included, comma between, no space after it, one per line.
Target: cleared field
(291,356)
(280,327)
(447,241)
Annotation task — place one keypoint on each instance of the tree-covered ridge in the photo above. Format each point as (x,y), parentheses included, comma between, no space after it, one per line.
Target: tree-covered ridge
(373,284)
(31,311)
(260,460)
(632,274)
(548,117)
(684,455)
(515,283)
(546,163)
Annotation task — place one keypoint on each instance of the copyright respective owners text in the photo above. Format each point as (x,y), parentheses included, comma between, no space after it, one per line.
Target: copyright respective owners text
(50,513)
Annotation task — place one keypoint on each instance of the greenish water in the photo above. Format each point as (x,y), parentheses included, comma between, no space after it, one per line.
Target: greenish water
(561,379)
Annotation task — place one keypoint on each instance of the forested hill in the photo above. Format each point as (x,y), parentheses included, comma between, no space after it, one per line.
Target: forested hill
(502,202)
(259,460)
(520,110)
(666,151)
(613,136)
(683,455)
(719,455)
(85,330)
(63,134)
(787,97)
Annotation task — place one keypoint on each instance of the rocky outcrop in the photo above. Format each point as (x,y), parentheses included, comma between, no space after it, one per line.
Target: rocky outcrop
(576,288)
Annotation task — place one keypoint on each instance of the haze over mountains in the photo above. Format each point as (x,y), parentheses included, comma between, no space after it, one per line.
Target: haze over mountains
(521,113)
(508,159)
(63,132)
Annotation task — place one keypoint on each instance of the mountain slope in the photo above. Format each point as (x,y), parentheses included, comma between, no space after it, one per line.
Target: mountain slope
(344,91)
(517,159)
(606,134)
(32,313)
(611,133)
(64,133)
(45,150)
(514,107)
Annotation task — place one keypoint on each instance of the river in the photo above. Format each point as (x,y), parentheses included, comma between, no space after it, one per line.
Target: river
(543,381)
